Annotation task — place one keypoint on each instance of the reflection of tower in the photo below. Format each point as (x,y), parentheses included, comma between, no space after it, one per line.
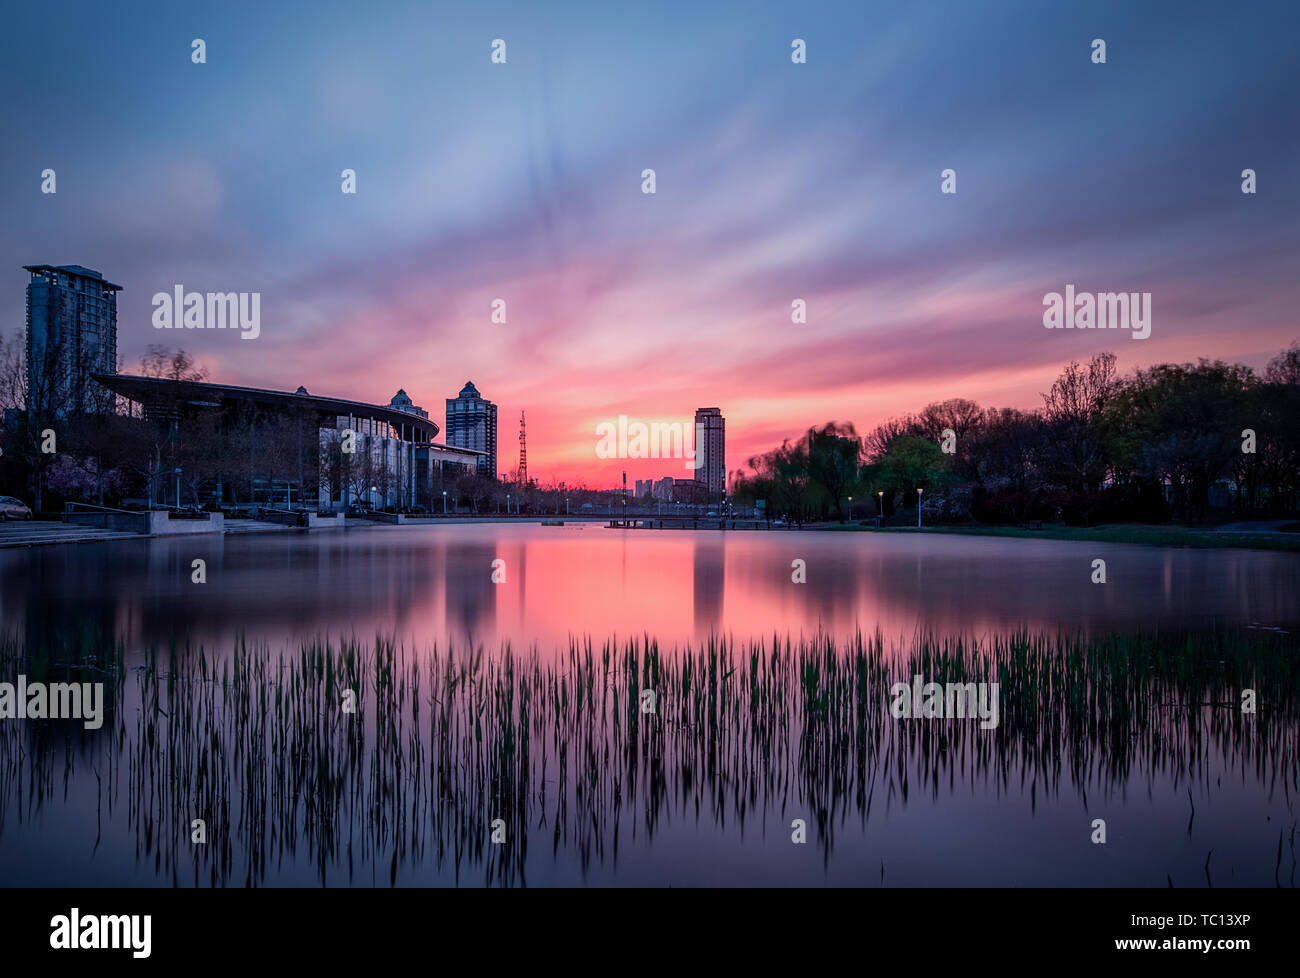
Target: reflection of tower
(471,596)
(523,452)
(709,577)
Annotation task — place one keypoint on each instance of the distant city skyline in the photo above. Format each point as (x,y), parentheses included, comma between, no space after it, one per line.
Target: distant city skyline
(775,182)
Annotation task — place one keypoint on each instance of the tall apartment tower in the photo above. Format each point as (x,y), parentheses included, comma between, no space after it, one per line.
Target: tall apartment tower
(710,451)
(71,334)
(472,423)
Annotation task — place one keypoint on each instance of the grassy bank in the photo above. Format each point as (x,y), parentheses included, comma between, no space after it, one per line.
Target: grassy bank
(1150,534)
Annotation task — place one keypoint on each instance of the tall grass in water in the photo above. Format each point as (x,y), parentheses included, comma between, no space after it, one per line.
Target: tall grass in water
(446,741)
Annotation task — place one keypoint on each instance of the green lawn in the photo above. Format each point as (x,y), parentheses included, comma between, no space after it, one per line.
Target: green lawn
(1164,536)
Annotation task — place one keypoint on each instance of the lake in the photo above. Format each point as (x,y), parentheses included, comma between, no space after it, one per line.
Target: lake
(429,583)
(550,750)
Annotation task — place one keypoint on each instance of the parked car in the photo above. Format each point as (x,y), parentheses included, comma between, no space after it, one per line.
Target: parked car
(13,509)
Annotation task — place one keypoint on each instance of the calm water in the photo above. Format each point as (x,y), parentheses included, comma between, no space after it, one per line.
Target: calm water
(431,583)
(977,811)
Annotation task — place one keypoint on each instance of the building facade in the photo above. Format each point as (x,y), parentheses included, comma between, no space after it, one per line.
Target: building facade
(318,452)
(472,424)
(71,334)
(689,492)
(710,452)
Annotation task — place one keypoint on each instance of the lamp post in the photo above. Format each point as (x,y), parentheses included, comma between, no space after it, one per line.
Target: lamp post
(919,490)
(178,488)
(444,502)
(850,509)
(880,508)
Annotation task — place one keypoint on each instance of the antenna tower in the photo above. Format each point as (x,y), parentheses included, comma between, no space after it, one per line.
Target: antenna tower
(523,452)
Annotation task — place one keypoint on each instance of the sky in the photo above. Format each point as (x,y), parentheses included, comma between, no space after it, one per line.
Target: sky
(774,180)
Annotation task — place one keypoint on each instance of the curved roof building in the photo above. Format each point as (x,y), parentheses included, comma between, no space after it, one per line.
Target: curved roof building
(397,438)
(163,398)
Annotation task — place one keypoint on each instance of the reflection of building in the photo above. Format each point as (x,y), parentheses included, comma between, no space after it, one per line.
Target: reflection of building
(472,423)
(710,452)
(393,460)
(708,579)
(71,334)
(471,598)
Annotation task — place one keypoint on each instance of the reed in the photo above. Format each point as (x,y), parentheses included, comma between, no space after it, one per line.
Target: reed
(449,743)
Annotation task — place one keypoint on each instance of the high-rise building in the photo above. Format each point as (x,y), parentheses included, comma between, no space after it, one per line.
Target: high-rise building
(472,423)
(71,334)
(710,451)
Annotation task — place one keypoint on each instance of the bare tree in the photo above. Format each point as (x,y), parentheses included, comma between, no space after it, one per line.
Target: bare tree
(163,362)
(13,373)
(1073,410)
(333,466)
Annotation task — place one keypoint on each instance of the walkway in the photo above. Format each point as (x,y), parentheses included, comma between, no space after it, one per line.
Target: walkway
(36,533)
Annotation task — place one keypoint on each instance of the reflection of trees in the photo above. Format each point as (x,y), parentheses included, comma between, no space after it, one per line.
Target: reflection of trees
(445,743)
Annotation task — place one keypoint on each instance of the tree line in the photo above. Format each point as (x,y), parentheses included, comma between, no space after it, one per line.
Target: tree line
(1170,441)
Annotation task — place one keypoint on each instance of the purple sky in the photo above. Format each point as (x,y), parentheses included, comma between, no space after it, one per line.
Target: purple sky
(775,181)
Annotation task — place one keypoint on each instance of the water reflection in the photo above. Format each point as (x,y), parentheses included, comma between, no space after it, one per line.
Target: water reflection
(426,583)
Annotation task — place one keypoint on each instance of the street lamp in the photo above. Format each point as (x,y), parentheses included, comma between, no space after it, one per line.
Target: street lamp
(919,490)
(880,509)
(178,488)
(444,502)
(850,509)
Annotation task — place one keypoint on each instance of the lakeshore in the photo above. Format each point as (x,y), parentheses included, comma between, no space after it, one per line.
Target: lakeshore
(1264,535)
(1143,534)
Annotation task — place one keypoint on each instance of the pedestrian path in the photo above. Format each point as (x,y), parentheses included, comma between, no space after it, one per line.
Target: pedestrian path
(255,526)
(35,533)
